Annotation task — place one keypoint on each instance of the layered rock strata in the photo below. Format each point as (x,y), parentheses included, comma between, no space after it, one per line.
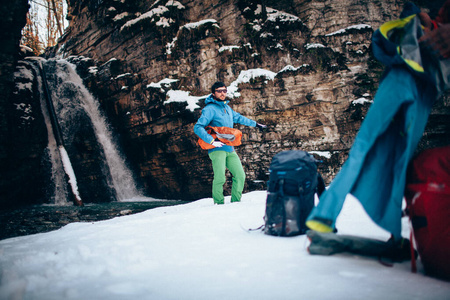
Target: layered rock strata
(302,67)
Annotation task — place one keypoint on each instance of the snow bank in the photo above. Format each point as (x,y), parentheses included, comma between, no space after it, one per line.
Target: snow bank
(200,251)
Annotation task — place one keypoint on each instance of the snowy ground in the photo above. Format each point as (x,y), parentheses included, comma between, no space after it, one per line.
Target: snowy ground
(200,251)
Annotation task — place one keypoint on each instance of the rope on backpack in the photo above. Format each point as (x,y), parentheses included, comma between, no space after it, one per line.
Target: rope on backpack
(254,229)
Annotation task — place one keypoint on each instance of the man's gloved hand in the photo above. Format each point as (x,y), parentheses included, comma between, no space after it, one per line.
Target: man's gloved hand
(217,144)
(261,126)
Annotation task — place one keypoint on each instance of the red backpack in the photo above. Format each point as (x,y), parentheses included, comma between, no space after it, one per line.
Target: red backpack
(428,205)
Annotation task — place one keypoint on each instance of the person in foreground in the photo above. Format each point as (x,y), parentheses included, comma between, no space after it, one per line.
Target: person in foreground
(437,31)
(217,113)
(417,73)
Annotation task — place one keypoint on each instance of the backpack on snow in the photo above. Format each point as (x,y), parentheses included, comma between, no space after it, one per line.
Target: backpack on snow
(293,181)
(427,196)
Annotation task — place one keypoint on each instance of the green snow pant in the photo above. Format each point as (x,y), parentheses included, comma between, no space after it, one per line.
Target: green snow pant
(230,160)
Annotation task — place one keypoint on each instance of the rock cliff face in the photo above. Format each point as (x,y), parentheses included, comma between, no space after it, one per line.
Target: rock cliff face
(302,67)
(16,163)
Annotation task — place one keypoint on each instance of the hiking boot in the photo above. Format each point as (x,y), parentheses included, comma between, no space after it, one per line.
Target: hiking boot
(325,243)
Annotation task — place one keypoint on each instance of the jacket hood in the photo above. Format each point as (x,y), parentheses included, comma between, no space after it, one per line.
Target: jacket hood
(211,99)
(397,43)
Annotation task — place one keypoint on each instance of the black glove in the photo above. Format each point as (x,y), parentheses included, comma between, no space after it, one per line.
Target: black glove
(261,126)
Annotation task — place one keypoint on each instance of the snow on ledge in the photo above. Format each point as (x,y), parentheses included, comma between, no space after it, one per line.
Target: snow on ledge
(245,77)
(229,48)
(123,75)
(342,31)
(121,16)
(292,68)
(165,22)
(361,101)
(109,61)
(93,70)
(326,154)
(188,26)
(183,96)
(170,45)
(175,4)
(274,15)
(160,84)
(199,23)
(313,46)
(159,11)
(176,95)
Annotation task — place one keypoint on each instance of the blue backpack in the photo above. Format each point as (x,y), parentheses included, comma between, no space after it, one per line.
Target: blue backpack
(293,181)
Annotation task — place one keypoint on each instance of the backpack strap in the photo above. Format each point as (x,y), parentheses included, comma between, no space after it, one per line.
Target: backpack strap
(279,198)
(320,184)
(281,186)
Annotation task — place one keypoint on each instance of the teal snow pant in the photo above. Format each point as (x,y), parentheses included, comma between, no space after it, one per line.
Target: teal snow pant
(222,160)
